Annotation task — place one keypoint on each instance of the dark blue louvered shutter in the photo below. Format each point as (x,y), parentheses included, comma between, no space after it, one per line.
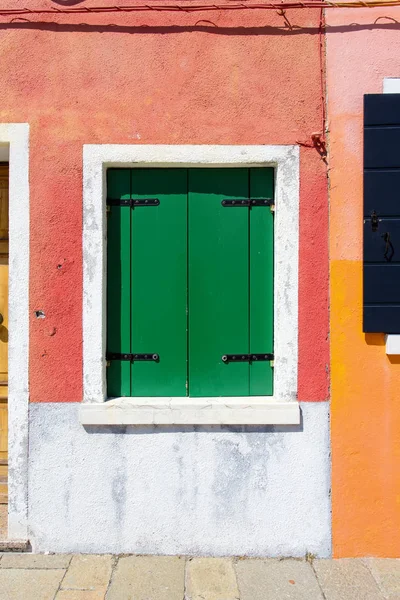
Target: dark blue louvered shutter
(382,213)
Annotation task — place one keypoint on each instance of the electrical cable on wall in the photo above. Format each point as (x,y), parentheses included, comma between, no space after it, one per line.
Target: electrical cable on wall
(197,7)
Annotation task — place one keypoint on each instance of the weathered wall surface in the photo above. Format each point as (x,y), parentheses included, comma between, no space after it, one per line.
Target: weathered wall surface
(363,46)
(221,78)
(156,78)
(260,491)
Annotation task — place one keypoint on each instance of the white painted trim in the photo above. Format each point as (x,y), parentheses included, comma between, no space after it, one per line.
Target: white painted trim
(391,85)
(96,160)
(17,136)
(392,343)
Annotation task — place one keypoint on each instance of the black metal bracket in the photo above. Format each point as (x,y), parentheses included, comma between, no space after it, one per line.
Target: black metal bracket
(131,357)
(374,221)
(132,203)
(246,357)
(249,202)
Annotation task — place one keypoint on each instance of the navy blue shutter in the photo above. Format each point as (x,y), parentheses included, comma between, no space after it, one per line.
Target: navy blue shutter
(382,213)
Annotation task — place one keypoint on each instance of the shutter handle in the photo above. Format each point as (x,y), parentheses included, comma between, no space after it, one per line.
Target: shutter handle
(374,221)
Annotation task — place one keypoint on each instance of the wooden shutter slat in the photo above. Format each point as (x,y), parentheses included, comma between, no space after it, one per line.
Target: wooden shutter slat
(261,281)
(381,109)
(159,282)
(118,282)
(382,192)
(218,282)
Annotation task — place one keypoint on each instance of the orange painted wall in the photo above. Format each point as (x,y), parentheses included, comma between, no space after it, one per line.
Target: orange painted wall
(363,46)
(156,78)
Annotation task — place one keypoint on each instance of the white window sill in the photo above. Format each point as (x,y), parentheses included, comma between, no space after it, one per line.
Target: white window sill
(393,344)
(254,410)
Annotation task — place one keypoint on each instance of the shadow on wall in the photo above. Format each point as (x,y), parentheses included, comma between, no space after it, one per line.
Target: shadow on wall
(212,28)
(68,2)
(152,429)
(378,339)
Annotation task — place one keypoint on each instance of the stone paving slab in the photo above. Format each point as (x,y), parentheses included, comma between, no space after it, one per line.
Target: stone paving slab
(79,595)
(14,560)
(106,577)
(346,579)
(17,584)
(148,578)
(211,579)
(386,572)
(89,572)
(275,579)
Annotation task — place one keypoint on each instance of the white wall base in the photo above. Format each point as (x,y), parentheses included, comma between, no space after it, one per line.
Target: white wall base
(198,490)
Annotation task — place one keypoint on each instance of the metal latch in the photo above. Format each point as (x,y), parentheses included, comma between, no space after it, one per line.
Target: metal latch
(249,202)
(132,203)
(131,357)
(374,221)
(246,357)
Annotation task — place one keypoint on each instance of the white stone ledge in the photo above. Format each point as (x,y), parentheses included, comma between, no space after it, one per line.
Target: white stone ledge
(256,410)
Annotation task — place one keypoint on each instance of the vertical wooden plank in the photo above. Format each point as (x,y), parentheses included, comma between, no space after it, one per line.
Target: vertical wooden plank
(218,282)
(4,203)
(261,281)
(159,282)
(118,282)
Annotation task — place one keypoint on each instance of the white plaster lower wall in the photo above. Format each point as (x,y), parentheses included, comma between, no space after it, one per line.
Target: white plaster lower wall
(260,491)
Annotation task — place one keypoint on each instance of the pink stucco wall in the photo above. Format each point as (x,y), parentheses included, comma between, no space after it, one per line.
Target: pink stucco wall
(208,78)
(363,46)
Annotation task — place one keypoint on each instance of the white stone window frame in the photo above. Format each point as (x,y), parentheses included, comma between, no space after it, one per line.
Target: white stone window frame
(282,407)
(14,140)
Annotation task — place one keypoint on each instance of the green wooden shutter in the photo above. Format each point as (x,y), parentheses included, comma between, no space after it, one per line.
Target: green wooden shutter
(190,268)
(118,282)
(147,282)
(218,282)
(159,282)
(261,281)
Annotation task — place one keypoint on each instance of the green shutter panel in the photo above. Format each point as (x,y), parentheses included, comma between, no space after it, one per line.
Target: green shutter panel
(225,264)
(218,282)
(159,282)
(261,281)
(118,282)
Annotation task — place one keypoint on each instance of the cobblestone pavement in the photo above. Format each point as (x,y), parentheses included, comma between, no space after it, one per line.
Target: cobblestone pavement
(106,577)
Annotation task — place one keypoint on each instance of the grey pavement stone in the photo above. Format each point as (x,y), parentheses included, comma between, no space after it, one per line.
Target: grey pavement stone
(13,560)
(80,595)
(386,572)
(148,578)
(346,579)
(89,572)
(275,579)
(211,579)
(17,584)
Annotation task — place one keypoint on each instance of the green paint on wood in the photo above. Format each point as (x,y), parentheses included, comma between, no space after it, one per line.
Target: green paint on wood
(261,281)
(190,280)
(218,282)
(159,282)
(118,282)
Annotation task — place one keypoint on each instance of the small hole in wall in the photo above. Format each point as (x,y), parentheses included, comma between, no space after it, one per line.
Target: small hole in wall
(39,314)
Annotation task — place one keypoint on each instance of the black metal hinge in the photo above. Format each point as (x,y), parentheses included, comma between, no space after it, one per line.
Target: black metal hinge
(131,357)
(246,357)
(132,203)
(249,202)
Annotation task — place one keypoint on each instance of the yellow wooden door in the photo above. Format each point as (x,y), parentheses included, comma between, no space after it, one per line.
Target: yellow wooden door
(3,333)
